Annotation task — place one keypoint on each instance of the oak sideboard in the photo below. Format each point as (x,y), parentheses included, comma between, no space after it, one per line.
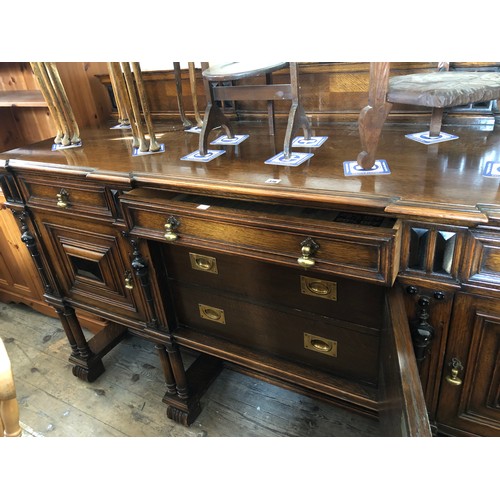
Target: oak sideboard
(379,293)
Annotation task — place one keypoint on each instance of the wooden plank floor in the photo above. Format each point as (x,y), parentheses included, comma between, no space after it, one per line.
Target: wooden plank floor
(127,399)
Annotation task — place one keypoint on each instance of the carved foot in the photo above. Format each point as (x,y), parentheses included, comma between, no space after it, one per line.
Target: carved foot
(88,372)
(184,416)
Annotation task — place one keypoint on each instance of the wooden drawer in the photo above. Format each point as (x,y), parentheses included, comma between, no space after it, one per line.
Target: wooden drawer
(334,346)
(484,264)
(340,298)
(69,193)
(364,247)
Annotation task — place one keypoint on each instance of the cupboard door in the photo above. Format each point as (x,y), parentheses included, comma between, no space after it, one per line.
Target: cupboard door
(402,407)
(93,265)
(469,403)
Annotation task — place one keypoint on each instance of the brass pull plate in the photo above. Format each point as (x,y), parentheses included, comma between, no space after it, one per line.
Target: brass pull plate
(203,263)
(318,288)
(320,345)
(212,313)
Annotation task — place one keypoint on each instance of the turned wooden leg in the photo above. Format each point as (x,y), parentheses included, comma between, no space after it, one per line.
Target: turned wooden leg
(178,371)
(183,405)
(167,369)
(67,331)
(86,366)
(9,409)
(436,122)
(9,417)
(213,118)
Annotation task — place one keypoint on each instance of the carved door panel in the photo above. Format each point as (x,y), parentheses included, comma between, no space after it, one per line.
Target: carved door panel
(402,406)
(93,264)
(469,402)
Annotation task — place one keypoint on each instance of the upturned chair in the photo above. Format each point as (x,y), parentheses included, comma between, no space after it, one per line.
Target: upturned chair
(218,87)
(437,90)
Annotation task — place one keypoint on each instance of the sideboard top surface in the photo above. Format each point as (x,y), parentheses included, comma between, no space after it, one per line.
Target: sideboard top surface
(443,180)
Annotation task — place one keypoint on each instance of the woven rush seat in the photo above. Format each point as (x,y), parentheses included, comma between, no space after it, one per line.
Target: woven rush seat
(444,89)
(436,90)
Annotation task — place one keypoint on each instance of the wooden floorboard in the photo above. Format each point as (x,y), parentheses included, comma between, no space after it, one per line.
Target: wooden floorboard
(126,399)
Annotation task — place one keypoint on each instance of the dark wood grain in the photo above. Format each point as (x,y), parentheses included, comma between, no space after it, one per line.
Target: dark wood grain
(433,181)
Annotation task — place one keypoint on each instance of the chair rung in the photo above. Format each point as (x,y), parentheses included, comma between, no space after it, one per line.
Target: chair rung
(253,92)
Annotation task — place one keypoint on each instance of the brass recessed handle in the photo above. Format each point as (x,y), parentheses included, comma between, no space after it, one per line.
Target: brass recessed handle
(452,378)
(62,199)
(318,288)
(212,313)
(203,263)
(320,344)
(170,227)
(308,248)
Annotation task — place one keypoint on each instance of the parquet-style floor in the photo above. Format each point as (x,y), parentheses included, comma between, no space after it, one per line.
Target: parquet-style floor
(127,399)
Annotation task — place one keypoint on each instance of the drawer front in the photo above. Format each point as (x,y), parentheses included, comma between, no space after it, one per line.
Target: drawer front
(326,344)
(484,266)
(369,255)
(357,302)
(65,194)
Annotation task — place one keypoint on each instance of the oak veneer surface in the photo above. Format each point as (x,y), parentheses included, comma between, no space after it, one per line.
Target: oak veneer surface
(444,179)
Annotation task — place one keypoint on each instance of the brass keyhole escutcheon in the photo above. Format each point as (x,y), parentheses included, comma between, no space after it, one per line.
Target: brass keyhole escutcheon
(452,378)
(62,199)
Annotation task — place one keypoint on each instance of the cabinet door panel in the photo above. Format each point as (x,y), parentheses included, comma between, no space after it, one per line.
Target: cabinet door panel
(92,264)
(470,400)
(402,410)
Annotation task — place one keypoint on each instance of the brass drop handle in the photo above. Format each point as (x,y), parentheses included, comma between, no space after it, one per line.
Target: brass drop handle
(62,199)
(308,248)
(170,227)
(453,378)
(129,283)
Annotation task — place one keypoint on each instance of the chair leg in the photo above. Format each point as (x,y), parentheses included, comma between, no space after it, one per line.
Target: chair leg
(9,415)
(436,122)
(370,123)
(9,409)
(178,87)
(296,119)
(270,107)
(213,118)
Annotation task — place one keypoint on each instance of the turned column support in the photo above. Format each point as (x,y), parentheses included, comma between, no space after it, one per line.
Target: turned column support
(29,240)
